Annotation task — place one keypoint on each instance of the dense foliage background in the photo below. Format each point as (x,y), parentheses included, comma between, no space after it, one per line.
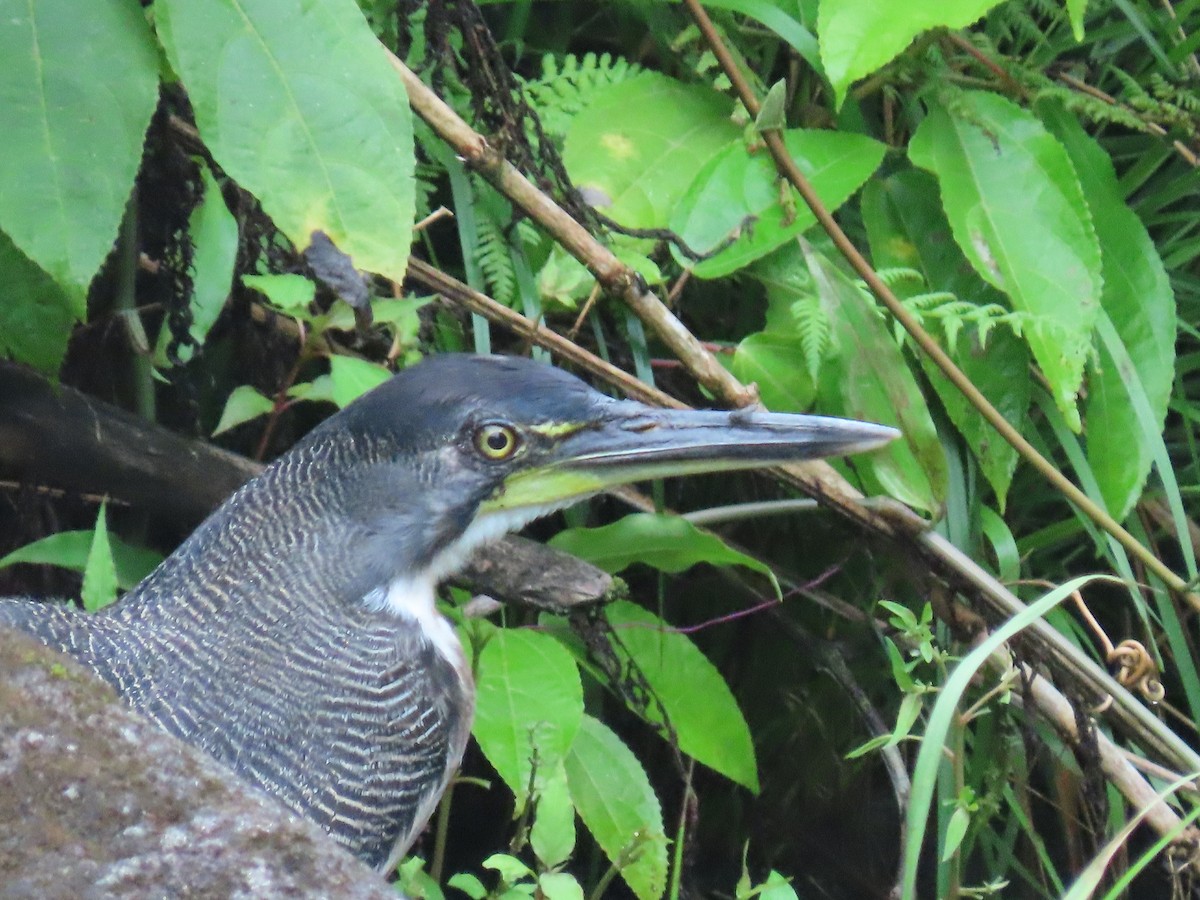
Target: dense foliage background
(206,215)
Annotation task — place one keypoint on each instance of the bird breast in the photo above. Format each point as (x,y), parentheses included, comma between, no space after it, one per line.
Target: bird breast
(413,600)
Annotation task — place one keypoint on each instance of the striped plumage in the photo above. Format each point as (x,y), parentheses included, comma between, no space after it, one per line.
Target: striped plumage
(294,635)
(252,642)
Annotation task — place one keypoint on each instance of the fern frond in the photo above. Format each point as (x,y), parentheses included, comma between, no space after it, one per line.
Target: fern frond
(814,329)
(495,261)
(897,276)
(568,83)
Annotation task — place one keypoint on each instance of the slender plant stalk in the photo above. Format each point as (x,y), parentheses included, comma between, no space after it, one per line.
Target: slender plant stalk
(923,339)
(817,479)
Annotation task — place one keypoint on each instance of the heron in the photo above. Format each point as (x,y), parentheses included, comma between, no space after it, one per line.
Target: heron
(295,635)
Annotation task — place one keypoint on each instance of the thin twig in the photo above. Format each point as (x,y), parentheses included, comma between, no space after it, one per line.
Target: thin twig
(1153,127)
(816,478)
(930,347)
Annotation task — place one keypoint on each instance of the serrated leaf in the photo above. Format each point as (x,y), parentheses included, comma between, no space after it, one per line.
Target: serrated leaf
(667,543)
(290,293)
(907,228)
(508,867)
(70,550)
(1129,390)
(214,233)
(563,279)
(244,404)
(99,572)
(552,835)
(80,84)
(402,313)
(559,886)
(415,882)
(738,192)
(468,884)
(1036,244)
(868,379)
(636,146)
(694,697)
(859,36)
(528,703)
(299,105)
(320,389)
(614,798)
(351,377)
(777,364)
(36,315)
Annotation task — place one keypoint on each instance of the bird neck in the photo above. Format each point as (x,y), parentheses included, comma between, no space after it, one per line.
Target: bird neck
(413,600)
(284,555)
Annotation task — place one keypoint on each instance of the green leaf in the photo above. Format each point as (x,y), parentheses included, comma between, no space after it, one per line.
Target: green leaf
(637,145)
(956,830)
(299,105)
(559,886)
(1036,244)
(668,543)
(244,404)
(214,233)
(772,115)
(859,36)
(867,378)
(320,389)
(563,279)
(290,293)
(415,882)
(508,867)
(777,364)
(80,84)
(698,704)
(614,798)
(776,887)
(468,884)
(36,314)
(528,704)
(100,572)
(353,377)
(907,229)
(1076,10)
(906,717)
(944,713)
(552,835)
(779,18)
(1004,546)
(1129,390)
(70,549)
(401,313)
(740,192)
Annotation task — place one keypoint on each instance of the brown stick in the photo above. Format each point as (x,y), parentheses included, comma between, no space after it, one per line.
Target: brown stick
(816,479)
(788,168)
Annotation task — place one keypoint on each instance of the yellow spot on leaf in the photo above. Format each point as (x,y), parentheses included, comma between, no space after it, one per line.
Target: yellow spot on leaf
(618,145)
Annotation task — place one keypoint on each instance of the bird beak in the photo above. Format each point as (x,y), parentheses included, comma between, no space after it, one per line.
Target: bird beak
(630,442)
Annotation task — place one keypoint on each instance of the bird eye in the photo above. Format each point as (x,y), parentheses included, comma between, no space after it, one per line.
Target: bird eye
(496,441)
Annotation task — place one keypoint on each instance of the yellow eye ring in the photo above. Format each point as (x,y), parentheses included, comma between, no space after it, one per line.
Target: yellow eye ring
(496,441)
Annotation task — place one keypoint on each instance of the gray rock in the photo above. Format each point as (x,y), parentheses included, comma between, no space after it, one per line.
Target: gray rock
(96,802)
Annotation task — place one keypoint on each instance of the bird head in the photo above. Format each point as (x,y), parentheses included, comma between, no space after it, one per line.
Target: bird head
(460,449)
